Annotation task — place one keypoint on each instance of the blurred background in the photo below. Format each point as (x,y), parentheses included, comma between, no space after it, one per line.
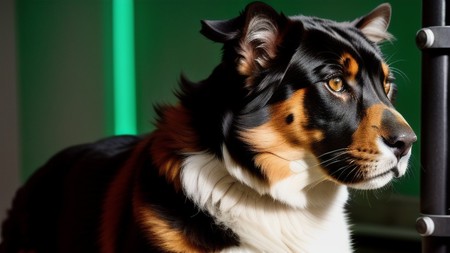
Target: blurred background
(74,71)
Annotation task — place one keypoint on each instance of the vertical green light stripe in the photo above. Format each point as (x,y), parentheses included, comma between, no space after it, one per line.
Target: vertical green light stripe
(124,69)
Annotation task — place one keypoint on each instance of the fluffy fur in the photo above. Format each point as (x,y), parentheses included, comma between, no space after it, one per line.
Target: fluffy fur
(255,158)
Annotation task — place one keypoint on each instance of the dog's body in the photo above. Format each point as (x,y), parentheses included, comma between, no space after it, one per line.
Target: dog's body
(256,158)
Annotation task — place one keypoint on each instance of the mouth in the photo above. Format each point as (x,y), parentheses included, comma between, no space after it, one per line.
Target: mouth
(365,168)
(378,180)
(394,171)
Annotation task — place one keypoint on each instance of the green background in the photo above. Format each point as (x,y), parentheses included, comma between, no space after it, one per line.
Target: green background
(65,65)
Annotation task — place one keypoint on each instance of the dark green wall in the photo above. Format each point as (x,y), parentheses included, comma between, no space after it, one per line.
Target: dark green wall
(63,76)
(65,73)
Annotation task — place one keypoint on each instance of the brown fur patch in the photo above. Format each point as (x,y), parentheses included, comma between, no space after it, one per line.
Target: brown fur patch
(280,141)
(170,137)
(162,143)
(116,198)
(158,230)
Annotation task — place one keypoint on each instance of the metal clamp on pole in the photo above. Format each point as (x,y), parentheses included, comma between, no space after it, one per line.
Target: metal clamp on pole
(434,41)
(437,37)
(433,225)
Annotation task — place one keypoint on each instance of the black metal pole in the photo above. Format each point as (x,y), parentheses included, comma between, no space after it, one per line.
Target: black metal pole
(434,135)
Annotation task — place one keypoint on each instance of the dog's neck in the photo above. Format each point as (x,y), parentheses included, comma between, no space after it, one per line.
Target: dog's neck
(263,223)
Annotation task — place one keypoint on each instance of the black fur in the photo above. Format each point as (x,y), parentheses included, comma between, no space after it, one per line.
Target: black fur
(59,208)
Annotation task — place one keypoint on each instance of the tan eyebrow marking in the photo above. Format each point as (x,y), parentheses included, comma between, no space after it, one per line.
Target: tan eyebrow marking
(350,65)
(386,84)
(385,69)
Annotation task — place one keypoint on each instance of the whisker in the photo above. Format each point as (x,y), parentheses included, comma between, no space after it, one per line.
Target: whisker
(331,161)
(318,181)
(340,170)
(337,153)
(357,174)
(351,163)
(333,151)
(400,73)
(390,63)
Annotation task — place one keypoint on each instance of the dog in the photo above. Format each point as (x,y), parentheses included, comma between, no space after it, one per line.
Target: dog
(258,157)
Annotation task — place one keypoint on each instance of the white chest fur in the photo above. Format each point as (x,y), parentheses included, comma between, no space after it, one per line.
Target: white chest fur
(262,223)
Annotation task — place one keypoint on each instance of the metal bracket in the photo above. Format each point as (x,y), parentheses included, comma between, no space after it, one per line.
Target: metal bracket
(433,225)
(437,37)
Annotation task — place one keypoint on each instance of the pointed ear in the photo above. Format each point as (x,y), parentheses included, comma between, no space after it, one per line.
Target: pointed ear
(256,35)
(375,24)
(261,36)
(221,30)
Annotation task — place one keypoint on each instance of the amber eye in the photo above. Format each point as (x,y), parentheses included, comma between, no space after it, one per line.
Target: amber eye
(336,84)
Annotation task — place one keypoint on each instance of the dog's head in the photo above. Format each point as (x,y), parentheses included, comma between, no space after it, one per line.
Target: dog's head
(319,98)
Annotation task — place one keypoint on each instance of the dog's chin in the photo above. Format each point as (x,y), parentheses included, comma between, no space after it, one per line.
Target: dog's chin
(377,181)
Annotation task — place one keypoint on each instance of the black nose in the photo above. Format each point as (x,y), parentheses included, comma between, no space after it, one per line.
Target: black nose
(400,144)
(397,134)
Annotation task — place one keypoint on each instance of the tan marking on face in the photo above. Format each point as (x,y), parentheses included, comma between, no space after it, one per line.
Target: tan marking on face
(278,142)
(385,69)
(386,84)
(366,134)
(350,65)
